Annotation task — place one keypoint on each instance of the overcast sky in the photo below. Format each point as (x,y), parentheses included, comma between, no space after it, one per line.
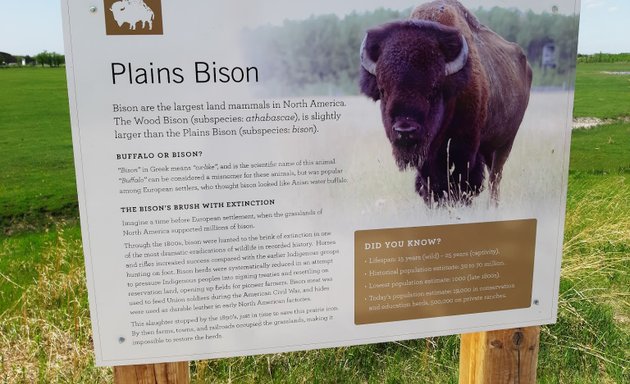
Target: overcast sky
(31,26)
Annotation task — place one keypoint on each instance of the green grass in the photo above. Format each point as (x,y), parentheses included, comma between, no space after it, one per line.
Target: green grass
(37,175)
(17,259)
(45,333)
(602,95)
(593,330)
(601,150)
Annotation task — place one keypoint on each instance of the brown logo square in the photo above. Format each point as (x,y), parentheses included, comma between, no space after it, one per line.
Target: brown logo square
(133,17)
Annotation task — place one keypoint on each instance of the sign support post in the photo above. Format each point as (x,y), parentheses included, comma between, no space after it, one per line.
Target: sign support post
(164,373)
(506,356)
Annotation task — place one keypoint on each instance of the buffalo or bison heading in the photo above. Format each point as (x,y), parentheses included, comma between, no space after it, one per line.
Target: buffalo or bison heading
(452,96)
(133,17)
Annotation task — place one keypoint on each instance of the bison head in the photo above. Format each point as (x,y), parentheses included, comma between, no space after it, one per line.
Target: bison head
(415,68)
(117,9)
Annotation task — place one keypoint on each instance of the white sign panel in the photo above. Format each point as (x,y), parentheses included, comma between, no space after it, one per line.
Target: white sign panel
(261,177)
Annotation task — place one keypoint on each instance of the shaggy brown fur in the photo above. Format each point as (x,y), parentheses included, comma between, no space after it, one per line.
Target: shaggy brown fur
(449,127)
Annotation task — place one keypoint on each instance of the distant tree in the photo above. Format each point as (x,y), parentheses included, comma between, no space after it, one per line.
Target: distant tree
(319,51)
(605,58)
(320,54)
(532,31)
(56,59)
(43,58)
(51,59)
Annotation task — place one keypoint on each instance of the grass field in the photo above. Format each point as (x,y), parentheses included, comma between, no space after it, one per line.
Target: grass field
(602,91)
(37,177)
(602,150)
(45,333)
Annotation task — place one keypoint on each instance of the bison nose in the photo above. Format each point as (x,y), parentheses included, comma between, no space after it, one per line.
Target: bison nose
(406,126)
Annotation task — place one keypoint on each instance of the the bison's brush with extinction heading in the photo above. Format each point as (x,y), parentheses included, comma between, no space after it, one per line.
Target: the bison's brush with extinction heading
(453,94)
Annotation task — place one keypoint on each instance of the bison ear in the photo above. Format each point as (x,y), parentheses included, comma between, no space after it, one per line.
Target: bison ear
(369,53)
(368,84)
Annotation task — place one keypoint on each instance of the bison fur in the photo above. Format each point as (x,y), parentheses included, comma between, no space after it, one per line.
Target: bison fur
(452,96)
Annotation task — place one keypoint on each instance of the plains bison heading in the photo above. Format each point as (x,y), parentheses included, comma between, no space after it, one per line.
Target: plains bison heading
(453,94)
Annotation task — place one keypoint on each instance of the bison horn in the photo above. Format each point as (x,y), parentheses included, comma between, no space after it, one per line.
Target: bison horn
(367,63)
(459,62)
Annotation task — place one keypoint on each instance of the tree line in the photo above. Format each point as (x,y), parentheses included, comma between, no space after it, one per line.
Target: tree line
(44,59)
(319,55)
(604,58)
(51,59)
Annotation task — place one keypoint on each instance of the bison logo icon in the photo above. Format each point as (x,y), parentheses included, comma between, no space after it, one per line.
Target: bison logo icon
(133,17)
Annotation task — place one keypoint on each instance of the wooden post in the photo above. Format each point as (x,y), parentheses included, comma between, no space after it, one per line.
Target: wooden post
(166,373)
(497,357)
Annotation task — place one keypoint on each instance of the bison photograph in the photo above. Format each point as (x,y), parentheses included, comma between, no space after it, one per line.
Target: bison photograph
(452,96)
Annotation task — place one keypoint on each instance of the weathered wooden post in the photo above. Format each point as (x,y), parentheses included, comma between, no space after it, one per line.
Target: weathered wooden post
(497,357)
(164,373)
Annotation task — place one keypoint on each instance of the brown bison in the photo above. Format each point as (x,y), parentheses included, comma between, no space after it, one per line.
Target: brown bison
(453,94)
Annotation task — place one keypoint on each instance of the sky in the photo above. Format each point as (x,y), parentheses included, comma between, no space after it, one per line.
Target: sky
(28,27)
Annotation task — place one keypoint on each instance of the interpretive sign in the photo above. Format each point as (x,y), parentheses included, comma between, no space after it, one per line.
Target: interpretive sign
(259,177)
